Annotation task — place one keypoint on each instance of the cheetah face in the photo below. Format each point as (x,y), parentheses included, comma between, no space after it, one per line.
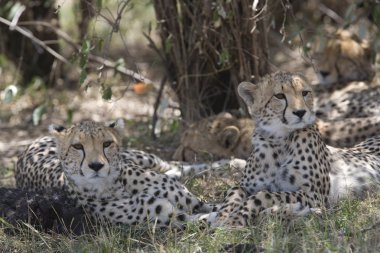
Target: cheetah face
(280,103)
(345,58)
(89,152)
(218,136)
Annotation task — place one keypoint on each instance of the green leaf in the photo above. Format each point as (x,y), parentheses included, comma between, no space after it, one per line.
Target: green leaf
(221,11)
(168,44)
(99,4)
(376,15)
(9,93)
(83,76)
(107,93)
(224,57)
(120,63)
(8,96)
(350,14)
(100,43)
(38,112)
(70,115)
(84,51)
(15,8)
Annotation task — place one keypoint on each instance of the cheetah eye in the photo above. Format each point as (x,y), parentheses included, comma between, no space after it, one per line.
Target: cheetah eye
(280,95)
(77,146)
(106,144)
(305,93)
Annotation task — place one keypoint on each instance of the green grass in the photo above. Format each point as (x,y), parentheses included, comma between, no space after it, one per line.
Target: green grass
(352,226)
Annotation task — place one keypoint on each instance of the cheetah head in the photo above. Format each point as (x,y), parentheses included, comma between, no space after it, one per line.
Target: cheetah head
(220,136)
(345,58)
(280,103)
(88,152)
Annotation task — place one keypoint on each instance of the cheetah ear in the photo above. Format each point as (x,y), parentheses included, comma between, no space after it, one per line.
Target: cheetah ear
(56,130)
(229,137)
(246,91)
(118,125)
(367,50)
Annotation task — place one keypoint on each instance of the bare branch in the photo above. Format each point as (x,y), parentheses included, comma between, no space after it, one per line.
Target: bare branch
(332,14)
(156,105)
(39,42)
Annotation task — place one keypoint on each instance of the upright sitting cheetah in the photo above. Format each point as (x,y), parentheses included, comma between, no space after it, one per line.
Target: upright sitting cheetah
(113,185)
(291,169)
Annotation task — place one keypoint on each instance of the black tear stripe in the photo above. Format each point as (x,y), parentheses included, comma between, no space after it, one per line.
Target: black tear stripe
(337,70)
(81,163)
(268,101)
(286,106)
(104,153)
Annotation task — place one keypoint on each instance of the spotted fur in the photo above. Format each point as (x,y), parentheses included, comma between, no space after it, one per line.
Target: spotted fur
(112,184)
(345,58)
(291,170)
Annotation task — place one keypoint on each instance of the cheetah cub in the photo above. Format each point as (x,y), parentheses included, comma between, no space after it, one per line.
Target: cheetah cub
(291,170)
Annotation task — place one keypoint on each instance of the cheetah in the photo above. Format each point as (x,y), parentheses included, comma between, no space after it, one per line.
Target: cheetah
(112,184)
(291,170)
(221,136)
(352,104)
(345,73)
(226,136)
(345,58)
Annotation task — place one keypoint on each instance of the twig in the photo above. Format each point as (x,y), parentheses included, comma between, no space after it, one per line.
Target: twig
(156,104)
(154,47)
(39,42)
(120,69)
(332,14)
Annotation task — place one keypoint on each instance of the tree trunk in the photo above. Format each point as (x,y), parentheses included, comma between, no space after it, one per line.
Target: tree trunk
(29,58)
(208,47)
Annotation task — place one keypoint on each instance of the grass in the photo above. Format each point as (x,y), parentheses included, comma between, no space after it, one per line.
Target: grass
(353,226)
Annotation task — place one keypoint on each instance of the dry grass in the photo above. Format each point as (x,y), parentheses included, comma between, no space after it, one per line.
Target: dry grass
(347,228)
(353,226)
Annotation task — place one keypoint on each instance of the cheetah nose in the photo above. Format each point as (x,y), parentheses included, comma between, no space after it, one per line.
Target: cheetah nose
(299,113)
(96,166)
(324,73)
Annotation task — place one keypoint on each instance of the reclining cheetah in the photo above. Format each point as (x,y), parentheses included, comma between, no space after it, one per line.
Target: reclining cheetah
(224,136)
(112,184)
(219,136)
(344,62)
(291,169)
(345,58)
